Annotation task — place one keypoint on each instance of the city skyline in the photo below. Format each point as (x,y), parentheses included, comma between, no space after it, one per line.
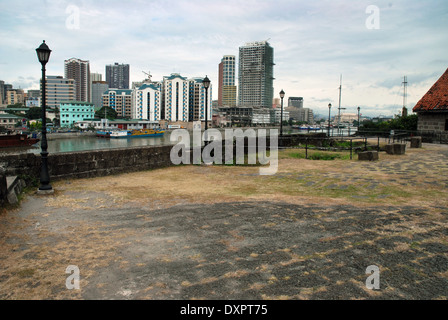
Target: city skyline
(372,45)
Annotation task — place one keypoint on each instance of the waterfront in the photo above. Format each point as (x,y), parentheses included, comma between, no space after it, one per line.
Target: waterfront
(72,142)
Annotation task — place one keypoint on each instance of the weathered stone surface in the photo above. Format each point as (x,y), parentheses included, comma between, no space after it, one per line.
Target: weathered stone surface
(389,148)
(89,163)
(396,148)
(368,156)
(416,142)
(399,148)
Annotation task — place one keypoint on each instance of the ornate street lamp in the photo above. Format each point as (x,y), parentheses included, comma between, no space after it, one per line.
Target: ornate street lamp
(206,84)
(43,54)
(329,116)
(282,95)
(359,108)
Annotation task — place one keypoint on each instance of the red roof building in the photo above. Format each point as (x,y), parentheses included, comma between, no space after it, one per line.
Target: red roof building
(436,99)
(432,109)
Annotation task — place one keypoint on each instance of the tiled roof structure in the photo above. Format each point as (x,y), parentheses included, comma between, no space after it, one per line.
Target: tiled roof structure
(436,99)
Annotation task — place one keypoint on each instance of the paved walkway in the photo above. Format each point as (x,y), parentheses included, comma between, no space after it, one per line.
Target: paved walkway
(232,250)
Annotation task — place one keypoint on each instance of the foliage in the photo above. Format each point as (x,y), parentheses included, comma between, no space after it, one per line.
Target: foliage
(36,126)
(408,123)
(15,105)
(106,112)
(34,113)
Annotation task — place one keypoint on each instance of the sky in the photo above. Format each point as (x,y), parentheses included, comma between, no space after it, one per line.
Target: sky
(370,44)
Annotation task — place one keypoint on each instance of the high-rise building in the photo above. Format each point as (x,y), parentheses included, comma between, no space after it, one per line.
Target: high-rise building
(98,89)
(120,100)
(117,76)
(2,91)
(295,102)
(79,70)
(94,76)
(14,96)
(175,98)
(256,75)
(147,102)
(227,88)
(33,94)
(58,89)
(197,99)
(4,87)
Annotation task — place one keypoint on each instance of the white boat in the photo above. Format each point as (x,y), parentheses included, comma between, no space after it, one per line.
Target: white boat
(119,134)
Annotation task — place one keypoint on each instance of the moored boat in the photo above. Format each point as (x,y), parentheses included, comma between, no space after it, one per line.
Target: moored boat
(103,133)
(17,140)
(141,133)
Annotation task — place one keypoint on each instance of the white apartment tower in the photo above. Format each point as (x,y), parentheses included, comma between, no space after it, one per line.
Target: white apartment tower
(175,98)
(147,102)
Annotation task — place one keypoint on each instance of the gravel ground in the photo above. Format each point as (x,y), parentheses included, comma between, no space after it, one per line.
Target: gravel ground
(238,250)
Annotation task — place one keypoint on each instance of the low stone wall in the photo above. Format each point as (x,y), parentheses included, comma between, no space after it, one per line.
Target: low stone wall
(315,139)
(87,164)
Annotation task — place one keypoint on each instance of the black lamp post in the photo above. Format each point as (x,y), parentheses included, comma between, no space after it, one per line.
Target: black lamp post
(282,95)
(359,108)
(329,116)
(206,84)
(43,54)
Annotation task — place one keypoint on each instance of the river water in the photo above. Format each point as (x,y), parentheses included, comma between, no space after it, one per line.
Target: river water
(70,142)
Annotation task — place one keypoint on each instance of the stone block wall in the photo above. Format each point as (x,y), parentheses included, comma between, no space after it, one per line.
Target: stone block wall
(432,122)
(87,164)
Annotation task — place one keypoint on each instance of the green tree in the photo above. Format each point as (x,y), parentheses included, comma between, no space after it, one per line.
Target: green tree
(16,105)
(106,112)
(407,123)
(34,113)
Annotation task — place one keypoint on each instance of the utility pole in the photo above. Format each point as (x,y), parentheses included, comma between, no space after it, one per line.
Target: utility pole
(404,111)
(339,108)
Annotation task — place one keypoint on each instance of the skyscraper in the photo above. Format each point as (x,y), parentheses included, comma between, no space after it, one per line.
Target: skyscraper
(227,88)
(79,70)
(117,76)
(256,75)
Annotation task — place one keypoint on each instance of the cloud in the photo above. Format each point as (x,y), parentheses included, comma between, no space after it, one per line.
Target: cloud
(314,42)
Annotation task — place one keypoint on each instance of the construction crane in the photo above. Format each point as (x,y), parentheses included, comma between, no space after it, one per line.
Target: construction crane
(148,74)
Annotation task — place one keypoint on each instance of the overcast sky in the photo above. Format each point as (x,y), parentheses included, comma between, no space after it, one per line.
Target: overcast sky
(372,44)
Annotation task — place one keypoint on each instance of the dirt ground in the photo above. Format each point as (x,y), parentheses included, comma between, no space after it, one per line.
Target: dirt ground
(226,232)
